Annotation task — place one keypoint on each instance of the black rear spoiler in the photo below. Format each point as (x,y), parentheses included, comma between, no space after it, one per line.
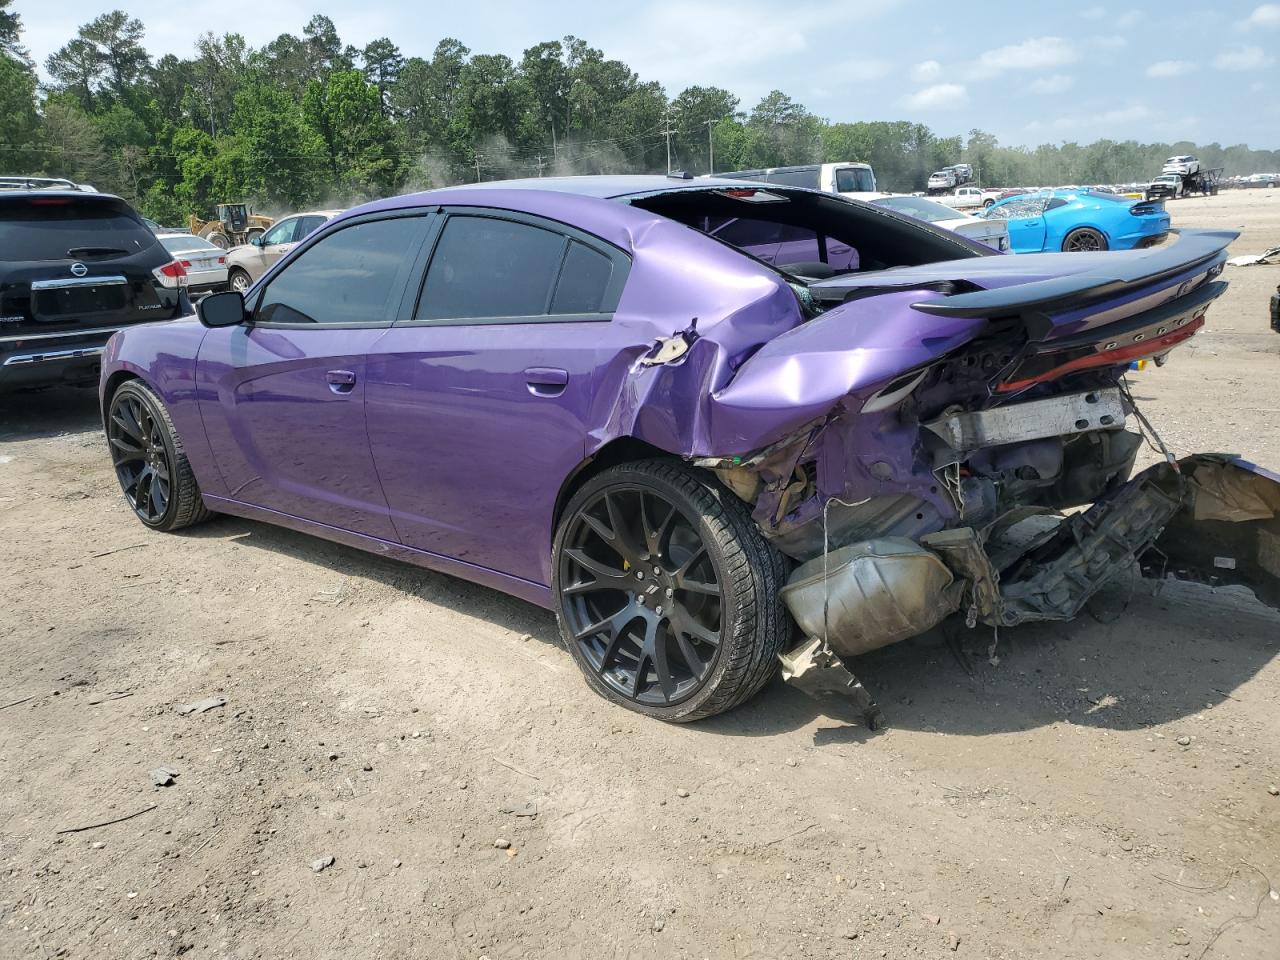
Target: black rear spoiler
(1194,248)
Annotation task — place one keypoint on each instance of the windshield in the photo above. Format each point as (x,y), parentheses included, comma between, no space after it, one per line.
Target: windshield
(920,208)
(855,180)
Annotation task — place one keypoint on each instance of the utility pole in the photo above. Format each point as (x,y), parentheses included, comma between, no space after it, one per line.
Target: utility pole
(479,161)
(666,132)
(541,163)
(711,150)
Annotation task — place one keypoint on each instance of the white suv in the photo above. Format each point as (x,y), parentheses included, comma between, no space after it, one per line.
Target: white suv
(1184,166)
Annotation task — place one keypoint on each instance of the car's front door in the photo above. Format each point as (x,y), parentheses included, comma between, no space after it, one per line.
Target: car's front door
(282,396)
(1026,223)
(479,395)
(275,243)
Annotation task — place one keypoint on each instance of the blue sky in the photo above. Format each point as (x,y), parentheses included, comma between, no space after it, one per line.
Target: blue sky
(1030,72)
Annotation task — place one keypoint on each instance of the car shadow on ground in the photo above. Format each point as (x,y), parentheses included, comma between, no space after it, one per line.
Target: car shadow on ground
(1143,654)
(48,412)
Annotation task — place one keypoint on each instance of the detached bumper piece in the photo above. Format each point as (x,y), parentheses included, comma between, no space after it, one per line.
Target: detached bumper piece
(1213,519)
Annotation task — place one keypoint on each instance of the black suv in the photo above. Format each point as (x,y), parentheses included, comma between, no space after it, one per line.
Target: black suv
(74,268)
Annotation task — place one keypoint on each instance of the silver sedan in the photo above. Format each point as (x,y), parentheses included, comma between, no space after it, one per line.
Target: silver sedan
(206,265)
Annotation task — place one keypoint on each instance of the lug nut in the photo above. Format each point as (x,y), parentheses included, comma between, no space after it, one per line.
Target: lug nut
(658,611)
(639,574)
(670,593)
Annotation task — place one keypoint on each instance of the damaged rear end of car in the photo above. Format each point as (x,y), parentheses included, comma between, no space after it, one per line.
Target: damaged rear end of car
(958,437)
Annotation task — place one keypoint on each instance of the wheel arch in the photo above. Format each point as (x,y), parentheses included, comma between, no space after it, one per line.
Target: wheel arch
(613,453)
(113,383)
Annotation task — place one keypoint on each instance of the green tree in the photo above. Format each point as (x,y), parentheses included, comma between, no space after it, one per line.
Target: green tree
(11,33)
(347,114)
(19,124)
(382,65)
(274,157)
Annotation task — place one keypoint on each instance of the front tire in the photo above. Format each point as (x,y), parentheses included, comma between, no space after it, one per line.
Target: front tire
(239,281)
(666,592)
(150,462)
(1084,240)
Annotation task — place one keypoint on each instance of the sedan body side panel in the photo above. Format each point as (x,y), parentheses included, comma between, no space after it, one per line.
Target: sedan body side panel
(283,410)
(473,429)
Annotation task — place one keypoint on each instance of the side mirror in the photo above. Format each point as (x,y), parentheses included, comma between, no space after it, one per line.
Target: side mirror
(256,240)
(221,309)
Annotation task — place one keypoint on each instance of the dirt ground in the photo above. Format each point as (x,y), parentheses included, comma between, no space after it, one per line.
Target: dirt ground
(1101,791)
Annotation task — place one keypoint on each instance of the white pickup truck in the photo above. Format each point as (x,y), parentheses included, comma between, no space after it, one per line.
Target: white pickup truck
(968,198)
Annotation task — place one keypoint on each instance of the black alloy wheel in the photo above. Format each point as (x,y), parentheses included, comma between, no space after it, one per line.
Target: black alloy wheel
(1084,240)
(667,593)
(149,460)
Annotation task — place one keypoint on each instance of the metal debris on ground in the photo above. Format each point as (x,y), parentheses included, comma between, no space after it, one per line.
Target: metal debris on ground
(200,706)
(163,776)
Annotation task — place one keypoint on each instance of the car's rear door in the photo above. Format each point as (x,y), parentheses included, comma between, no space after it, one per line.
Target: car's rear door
(478,396)
(282,396)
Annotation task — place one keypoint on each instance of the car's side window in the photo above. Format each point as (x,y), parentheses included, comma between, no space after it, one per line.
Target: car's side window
(281,232)
(306,225)
(345,278)
(584,281)
(491,269)
(487,267)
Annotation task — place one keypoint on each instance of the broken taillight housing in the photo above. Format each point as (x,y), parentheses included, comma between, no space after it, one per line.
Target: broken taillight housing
(172,275)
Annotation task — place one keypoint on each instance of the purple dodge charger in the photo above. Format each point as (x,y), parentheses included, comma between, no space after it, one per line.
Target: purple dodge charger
(714,426)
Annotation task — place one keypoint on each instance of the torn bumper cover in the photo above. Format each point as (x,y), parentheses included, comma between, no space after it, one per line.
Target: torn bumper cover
(1212,518)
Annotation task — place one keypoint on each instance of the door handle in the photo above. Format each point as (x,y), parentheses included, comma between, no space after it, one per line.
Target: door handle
(341,381)
(546,381)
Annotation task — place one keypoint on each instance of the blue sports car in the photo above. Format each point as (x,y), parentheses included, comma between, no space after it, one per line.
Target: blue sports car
(1080,221)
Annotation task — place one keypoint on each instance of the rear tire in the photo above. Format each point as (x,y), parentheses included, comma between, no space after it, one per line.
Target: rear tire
(150,462)
(667,594)
(1084,240)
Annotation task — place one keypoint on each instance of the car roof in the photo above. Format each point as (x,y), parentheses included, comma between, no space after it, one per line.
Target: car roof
(178,234)
(72,194)
(602,187)
(311,213)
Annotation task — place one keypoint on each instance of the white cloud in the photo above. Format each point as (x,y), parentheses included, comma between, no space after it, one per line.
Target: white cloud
(926,71)
(1130,18)
(937,97)
(1038,53)
(1171,68)
(1057,83)
(1267,15)
(1242,58)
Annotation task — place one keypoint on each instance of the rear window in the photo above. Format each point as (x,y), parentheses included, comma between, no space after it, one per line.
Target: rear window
(807,177)
(183,244)
(485,267)
(920,208)
(854,180)
(66,228)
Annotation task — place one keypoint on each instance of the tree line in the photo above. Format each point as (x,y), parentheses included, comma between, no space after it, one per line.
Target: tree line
(309,119)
